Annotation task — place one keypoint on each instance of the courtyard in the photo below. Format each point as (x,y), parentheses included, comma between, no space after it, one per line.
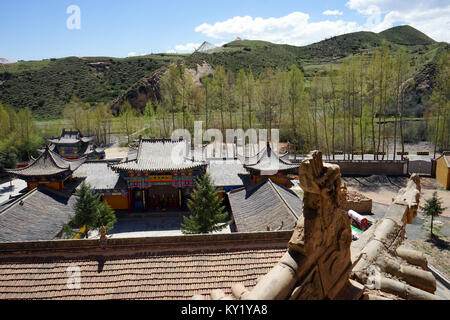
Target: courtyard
(154,224)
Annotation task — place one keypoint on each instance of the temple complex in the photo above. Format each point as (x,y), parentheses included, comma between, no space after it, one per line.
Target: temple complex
(317,260)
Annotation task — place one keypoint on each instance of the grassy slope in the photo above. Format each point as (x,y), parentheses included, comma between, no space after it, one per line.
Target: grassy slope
(47,85)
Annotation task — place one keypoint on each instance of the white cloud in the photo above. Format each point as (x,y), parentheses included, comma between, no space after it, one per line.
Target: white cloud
(189,47)
(429,16)
(171,51)
(132,54)
(294,29)
(332,13)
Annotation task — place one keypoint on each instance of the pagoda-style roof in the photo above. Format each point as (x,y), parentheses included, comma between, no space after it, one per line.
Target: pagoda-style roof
(269,162)
(49,163)
(70,137)
(159,155)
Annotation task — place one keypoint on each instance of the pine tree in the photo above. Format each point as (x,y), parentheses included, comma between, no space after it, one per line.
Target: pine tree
(208,214)
(91,212)
(433,208)
(106,217)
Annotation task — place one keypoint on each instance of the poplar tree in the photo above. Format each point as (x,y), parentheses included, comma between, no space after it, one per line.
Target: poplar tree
(296,88)
(127,118)
(220,85)
(171,90)
(241,89)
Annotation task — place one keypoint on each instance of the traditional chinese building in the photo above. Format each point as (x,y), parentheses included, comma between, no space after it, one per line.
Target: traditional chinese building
(269,165)
(73,145)
(443,170)
(161,177)
(49,169)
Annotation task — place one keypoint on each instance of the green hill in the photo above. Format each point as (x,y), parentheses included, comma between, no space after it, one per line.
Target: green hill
(47,85)
(407,36)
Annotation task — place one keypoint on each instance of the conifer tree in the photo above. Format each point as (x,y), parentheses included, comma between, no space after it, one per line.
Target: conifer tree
(91,212)
(208,214)
(433,207)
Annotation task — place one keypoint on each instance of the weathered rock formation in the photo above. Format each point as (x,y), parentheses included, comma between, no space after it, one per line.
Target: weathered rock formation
(148,88)
(322,263)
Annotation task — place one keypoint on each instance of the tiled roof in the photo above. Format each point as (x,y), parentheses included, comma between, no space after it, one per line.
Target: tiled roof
(147,268)
(38,215)
(99,175)
(49,163)
(265,205)
(269,163)
(70,137)
(227,173)
(447,158)
(160,155)
(91,149)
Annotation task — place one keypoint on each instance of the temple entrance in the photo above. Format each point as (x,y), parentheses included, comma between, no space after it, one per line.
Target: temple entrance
(162,198)
(138,199)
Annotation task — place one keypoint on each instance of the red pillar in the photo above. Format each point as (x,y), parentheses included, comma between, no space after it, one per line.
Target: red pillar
(130,202)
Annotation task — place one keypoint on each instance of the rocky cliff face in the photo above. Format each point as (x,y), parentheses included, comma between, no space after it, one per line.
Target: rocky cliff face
(149,88)
(418,91)
(139,94)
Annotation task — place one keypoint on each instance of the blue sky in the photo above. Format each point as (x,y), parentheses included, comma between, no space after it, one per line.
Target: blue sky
(32,30)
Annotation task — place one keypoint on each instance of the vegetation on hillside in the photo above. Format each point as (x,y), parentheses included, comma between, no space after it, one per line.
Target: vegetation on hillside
(358,108)
(19,136)
(47,86)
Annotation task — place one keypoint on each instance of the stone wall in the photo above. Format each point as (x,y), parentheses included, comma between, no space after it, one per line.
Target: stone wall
(370,167)
(357,202)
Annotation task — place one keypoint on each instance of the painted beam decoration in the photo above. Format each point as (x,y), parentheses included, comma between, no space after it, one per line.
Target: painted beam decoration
(69,152)
(178,179)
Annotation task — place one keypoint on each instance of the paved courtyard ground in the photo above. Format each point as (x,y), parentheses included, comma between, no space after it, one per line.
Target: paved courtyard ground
(150,225)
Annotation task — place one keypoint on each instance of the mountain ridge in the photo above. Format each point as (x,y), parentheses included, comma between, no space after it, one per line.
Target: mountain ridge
(105,79)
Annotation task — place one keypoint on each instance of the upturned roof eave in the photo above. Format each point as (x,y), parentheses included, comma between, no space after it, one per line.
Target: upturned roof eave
(119,168)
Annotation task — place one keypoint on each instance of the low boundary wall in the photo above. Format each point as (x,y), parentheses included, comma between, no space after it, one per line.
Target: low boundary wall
(372,167)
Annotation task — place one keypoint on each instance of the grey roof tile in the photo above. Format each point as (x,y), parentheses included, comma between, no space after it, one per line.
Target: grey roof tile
(99,175)
(265,205)
(160,155)
(227,173)
(38,215)
(70,137)
(269,163)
